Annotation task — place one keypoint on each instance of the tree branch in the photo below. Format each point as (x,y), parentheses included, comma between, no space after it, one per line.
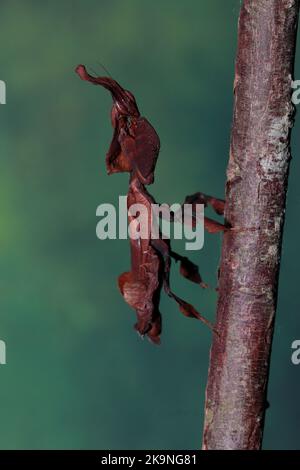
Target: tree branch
(256,188)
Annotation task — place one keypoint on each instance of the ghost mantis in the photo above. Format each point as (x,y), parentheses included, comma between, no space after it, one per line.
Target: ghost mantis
(134,149)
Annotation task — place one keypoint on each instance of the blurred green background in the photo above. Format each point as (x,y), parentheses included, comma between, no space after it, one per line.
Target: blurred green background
(77,375)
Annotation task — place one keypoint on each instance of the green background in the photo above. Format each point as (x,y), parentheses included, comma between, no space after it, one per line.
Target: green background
(77,375)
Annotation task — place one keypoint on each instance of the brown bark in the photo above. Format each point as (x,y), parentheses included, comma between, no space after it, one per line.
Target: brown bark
(256,188)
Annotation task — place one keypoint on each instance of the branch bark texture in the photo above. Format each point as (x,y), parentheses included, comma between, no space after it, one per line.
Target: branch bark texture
(257,177)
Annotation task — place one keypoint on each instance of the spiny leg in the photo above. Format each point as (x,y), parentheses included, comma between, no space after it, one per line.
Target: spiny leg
(212,226)
(162,247)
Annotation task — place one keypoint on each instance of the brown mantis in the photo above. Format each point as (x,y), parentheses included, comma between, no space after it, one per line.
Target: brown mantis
(134,148)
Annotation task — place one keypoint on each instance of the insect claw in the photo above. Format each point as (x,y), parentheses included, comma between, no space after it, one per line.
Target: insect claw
(140,335)
(204,285)
(154,340)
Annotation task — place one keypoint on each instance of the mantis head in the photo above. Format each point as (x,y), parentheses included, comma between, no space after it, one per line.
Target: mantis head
(124,104)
